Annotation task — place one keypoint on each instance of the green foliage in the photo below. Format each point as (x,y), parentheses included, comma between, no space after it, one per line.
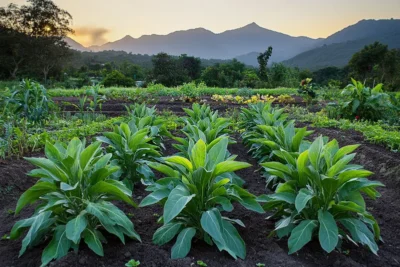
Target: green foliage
(131,147)
(96,100)
(29,100)
(307,90)
(320,194)
(116,78)
(366,103)
(263,59)
(193,194)
(132,263)
(74,191)
(261,114)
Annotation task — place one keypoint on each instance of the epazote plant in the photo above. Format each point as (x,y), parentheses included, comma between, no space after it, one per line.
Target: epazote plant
(321,194)
(193,194)
(131,148)
(74,193)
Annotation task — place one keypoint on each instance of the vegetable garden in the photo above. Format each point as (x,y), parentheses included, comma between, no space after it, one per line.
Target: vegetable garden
(197,176)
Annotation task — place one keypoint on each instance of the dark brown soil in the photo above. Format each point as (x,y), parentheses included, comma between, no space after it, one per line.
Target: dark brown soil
(115,107)
(260,248)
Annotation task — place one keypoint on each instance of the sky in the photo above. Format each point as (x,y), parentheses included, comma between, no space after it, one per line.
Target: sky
(99,21)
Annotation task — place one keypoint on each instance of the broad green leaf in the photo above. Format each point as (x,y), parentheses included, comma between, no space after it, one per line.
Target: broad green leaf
(88,154)
(38,224)
(251,204)
(277,166)
(34,193)
(348,175)
(284,196)
(163,169)
(302,167)
(58,246)
(360,233)
(107,188)
(176,202)
(339,165)
(315,152)
(211,222)
(93,241)
(233,240)
(229,166)
(155,197)
(166,233)
(301,235)
(328,231)
(302,199)
(344,151)
(52,169)
(75,227)
(180,161)
(199,154)
(183,243)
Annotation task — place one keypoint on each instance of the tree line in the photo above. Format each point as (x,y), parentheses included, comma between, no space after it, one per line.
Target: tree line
(32,44)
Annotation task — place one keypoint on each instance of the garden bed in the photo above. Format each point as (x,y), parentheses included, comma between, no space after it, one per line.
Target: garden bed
(260,248)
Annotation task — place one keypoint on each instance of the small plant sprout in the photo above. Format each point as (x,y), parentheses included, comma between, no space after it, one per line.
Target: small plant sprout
(201,263)
(132,263)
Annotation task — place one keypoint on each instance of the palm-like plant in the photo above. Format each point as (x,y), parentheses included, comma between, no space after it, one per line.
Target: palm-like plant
(74,193)
(261,114)
(194,192)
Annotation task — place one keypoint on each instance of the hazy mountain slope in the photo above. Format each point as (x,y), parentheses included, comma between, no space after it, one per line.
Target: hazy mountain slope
(340,47)
(74,44)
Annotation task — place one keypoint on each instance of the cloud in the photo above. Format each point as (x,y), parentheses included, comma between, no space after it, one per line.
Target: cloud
(93,35)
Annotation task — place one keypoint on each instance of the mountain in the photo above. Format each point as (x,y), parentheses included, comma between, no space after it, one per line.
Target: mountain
(205,44)
(337,49)
(74,44)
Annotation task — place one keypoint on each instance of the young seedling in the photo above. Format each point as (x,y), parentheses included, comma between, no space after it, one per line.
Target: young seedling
(201,263)
(132,263)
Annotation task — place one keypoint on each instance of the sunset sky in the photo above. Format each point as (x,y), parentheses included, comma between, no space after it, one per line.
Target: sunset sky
(99,21)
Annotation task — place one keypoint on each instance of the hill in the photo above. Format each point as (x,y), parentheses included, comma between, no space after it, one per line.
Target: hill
(337,49)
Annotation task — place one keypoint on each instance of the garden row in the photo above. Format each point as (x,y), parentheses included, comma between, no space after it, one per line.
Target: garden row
(317,192)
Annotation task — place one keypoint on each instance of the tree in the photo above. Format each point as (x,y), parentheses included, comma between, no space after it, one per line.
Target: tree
(191,66)
(263,62)
(33,35)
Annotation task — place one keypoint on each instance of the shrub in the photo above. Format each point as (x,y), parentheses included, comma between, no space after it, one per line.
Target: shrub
(193,195)
(74,193)
(320,194)
(116,78)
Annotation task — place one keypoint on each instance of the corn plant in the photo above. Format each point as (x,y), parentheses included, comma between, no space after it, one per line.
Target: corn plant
(132,149)
(320,194)
(193,195)
(74,194)
(97,100)
(29,100)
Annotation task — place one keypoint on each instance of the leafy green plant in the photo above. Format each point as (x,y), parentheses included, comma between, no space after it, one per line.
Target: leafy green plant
(261,114)
(132,263)
(265,139)
(97,100)
(74,193)
(306,89)
(189,92)
(29,100)
(131,148)
(366,103)
(320,194)
(82,101)
(141,110)
(201,263)
(193,194)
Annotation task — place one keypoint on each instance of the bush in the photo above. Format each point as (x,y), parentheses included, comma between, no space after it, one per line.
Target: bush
(116,78)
